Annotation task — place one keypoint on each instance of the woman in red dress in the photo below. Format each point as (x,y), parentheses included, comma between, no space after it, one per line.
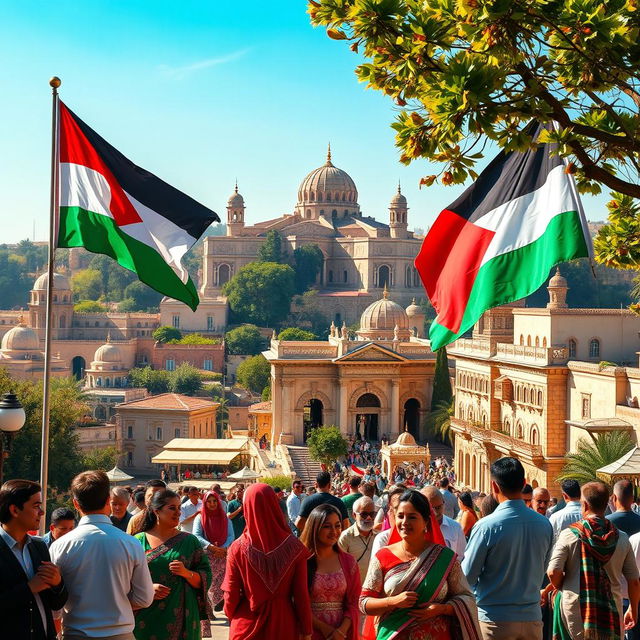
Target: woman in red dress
(265,585)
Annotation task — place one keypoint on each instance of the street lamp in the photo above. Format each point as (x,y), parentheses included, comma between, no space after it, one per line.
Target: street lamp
(12,419)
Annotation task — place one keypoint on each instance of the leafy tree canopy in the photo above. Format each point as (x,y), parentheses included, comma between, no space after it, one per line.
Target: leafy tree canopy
(166,333)
(308,311)
(87,284)
(254,373)
(473,71)
(89,306)
(185,379)
(293,333)
(153,380)
(261,292)
(143,296)
(307,261)
(100,459)
(244,340)
(195,338)
(271,249)
(326,444)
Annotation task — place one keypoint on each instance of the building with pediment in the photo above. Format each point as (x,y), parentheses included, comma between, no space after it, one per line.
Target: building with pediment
(372,385)
(361,254)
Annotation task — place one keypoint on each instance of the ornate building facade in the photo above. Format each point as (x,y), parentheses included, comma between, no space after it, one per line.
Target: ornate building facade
(361,254)
(531,382)
(372,385)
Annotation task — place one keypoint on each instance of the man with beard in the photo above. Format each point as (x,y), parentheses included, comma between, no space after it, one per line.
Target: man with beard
(358,538)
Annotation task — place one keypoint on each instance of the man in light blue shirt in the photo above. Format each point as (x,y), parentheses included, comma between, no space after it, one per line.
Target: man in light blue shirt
(506,558)
(294,503)
(571,512)
(451,508)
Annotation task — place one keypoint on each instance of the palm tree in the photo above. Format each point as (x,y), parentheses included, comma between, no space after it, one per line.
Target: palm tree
(439,421)
(605,448)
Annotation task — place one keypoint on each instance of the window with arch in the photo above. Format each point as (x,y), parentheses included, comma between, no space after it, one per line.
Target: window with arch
(334,214)
(534,437)
(63,322)
(407,276)
(308,213)
(384,276)
(329,196)
(544,342)
(594,348)
(528,341)
(521,340)
(416,278)
(345,275)
(330,276)
(312,196)
(537,341)
(224,274)
(519,430)
(319,197)
(343,197)
(573,348)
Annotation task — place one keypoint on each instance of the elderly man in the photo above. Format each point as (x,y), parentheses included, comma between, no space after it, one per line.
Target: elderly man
(540,500)
(119,515)
(451,530)
(358,538)
(589,560)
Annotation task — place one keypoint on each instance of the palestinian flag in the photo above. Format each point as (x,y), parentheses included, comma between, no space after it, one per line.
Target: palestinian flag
(497,242)
(109,205)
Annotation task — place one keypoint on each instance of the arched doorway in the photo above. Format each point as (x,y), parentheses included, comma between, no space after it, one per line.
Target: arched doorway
(100,413)
(384,277)
(78,365)
(367,417)
(224,274)
(312,416)
(411,420)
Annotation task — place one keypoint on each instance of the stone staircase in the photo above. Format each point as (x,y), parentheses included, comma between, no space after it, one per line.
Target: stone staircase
(438,449)
(306,469)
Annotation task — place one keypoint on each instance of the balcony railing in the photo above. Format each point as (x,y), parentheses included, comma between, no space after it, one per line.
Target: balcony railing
(502,441)
(535,355)
(470,346)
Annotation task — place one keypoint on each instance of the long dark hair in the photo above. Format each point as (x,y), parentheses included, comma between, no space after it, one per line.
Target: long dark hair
(466,500)
(309,537)
(158,500)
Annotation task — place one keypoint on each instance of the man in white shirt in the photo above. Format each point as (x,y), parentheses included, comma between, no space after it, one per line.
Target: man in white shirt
(451,507)
(190,509)
(572,512)
(104,569)
(294,503)
(451,530)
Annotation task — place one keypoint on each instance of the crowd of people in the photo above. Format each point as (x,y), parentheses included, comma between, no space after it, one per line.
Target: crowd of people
(340,561)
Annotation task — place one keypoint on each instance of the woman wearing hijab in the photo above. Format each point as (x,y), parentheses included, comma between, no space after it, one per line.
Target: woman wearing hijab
(265,586)
(415,586)
(215,533)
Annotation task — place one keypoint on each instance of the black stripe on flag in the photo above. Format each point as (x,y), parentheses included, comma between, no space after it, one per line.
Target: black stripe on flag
(150,190)
(508,176)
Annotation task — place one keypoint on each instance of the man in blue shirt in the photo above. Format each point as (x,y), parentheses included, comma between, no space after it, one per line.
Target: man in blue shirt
(506,558)
(623,517)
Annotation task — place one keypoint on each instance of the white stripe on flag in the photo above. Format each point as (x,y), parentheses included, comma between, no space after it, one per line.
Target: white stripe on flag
(85,188)
(521,221)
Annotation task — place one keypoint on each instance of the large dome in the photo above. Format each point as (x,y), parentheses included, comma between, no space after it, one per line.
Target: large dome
(328,184)
(60,282)
(235,199)
(414,310)
(20,338)
(384,315)
(108,353)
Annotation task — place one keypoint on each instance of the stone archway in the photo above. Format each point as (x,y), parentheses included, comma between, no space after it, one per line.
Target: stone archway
(312,416)
(411,418)
(78,366)
(368,416)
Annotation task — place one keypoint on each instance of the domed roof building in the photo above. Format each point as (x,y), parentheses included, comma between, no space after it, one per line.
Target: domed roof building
(416,317)
(60,282)
(384,320)
(107,369)
(20,339)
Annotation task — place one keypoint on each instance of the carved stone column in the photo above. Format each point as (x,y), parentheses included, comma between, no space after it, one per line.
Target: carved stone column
(343,407)
(276,405)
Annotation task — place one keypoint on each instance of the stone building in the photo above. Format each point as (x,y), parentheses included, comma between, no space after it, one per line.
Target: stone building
(361,254)
(371,385)
(148,424)
(531,382)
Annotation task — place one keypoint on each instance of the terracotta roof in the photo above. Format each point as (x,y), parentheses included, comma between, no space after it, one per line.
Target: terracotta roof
(171,401)
(260,406)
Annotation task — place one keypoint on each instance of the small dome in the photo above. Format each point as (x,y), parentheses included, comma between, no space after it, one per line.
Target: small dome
(405,439)
(235,199)
(60,282)
(328,184)
(558,280)
(398,199)
(414,310)
(384,314)
(20,338)
(108,353)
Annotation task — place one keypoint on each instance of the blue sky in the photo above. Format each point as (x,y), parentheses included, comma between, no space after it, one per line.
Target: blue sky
(199,93)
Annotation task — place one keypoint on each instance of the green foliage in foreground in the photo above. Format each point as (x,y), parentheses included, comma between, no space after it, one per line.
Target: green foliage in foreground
(326,444)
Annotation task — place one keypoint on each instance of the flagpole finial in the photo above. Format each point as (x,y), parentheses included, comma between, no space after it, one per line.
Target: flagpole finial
(236,189)
(385,292)
(55,82)
(329,153)
(399,186)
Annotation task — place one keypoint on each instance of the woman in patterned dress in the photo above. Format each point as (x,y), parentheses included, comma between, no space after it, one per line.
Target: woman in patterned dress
(180,572)
(333,577)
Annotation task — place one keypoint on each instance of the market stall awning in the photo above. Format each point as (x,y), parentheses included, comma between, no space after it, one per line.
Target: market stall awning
(118,475)
(194,456)
(244,474)
(627,466)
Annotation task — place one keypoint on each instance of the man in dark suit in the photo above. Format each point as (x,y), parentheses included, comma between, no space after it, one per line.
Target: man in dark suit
(30,584)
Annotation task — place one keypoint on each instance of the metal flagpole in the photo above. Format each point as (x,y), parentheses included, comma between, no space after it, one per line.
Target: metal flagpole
(54,83)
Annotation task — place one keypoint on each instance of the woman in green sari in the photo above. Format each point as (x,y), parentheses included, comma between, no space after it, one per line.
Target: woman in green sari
(415,587)
(180,572)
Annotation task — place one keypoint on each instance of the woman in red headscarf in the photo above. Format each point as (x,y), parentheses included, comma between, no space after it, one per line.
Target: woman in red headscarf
(215,533)
(265,586)
(415,586)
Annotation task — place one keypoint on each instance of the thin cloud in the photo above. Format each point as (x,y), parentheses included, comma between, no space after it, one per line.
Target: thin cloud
(178,73)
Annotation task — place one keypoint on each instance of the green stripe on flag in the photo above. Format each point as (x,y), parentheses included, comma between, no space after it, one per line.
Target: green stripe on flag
(100,234)
(517,274)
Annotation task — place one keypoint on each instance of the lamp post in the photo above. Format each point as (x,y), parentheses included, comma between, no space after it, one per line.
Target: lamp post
(12,419)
